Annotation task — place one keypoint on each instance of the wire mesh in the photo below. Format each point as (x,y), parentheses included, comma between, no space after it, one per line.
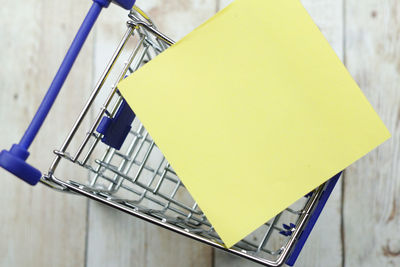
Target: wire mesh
(139,180)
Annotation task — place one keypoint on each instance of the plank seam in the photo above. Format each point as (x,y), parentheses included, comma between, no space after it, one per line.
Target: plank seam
(343,188)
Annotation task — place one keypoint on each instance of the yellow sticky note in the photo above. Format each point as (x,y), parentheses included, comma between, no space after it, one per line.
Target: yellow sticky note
(253,110)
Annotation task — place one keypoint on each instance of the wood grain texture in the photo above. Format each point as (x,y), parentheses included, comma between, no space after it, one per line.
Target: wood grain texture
(372,185)
(323,247)
(117,239)
(40,227)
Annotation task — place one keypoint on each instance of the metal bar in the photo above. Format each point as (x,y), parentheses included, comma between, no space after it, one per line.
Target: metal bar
(266,236)
(184,232)
(92,97)
(108,100)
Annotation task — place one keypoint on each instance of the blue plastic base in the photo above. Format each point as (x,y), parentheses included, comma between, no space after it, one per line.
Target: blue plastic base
(14,162)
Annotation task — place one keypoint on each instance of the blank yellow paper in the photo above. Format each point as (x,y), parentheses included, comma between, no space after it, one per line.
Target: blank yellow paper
(253,110)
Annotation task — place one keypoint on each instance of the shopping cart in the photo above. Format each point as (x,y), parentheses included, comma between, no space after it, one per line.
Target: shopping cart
(127,170)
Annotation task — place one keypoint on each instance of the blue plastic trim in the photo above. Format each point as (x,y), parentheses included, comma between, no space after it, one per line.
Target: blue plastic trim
(14,162)
(127,4)
(288,229)
(116,129)
(103,3)
(313,219)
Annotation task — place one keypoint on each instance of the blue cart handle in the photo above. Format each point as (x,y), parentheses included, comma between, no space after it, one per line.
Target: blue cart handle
(14,159)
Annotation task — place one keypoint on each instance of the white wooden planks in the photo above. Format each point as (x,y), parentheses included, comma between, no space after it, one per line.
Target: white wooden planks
(372,185)
(40,227)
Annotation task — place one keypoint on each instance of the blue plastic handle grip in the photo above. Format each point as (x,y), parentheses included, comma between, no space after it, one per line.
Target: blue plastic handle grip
(14,160)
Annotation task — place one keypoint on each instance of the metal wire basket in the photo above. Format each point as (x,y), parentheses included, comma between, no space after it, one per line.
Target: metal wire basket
(128,171)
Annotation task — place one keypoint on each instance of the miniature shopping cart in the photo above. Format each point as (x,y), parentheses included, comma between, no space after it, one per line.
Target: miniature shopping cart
(126,169)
